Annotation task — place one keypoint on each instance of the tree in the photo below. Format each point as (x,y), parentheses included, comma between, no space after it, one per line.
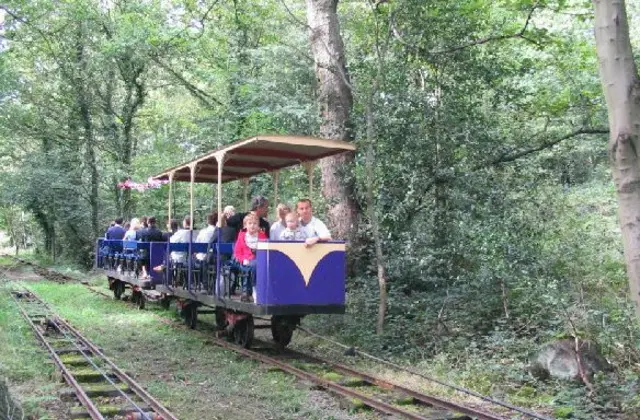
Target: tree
(619,77)
(336,100)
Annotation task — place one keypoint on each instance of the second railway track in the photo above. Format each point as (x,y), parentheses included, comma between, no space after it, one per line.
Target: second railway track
(376,393)
(102,388)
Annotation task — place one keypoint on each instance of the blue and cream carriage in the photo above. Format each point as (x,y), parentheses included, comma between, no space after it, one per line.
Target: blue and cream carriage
(291,280)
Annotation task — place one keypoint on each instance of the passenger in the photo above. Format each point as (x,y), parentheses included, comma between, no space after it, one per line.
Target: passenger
(127,226)
(133,229)
(182,236)
(227,233)
(292,232)
(229,211)
(152,233)
(259,207)
(314,228)
(172,227)
(205,236)
(116,231)
(245,252)
(142,227)
(280,225)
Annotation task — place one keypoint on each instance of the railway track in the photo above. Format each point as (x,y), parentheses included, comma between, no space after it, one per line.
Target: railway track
(103,389)
(365,389)
(361,388)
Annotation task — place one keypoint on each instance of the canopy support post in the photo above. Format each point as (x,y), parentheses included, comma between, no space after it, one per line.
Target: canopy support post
(245,181)
(192,169)
(276,177)
(309,167)
(213,201)
(170,195)
(220,159)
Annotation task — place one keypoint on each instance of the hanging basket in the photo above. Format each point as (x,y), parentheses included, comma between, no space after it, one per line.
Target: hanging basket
(141,186)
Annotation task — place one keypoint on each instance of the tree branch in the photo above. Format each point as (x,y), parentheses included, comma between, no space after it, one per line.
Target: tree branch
(207,99)
(520,34)
(504,158)
(294,18)
(514,155)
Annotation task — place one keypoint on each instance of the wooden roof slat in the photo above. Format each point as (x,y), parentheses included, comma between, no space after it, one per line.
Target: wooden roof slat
(271,153)
(256,155)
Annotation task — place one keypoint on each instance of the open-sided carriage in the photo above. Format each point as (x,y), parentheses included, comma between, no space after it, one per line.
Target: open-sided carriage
(291,280)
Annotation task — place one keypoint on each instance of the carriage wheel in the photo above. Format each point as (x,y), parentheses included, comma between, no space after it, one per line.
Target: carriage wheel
(139,299)
(221,320)
(165,302)
(243,332)
(118,289)
(282,330)
(190,313)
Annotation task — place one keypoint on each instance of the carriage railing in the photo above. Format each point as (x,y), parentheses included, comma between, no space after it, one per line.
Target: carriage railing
(126,257)
(279,278)
(106,251)
(187,271)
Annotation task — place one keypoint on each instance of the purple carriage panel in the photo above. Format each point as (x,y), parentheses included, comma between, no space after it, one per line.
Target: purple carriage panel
(157,251)
(288,273)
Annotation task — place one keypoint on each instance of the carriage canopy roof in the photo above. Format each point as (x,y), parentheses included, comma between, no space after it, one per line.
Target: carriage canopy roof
(255,155)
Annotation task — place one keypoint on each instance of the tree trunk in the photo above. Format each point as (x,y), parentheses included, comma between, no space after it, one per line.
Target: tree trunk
(371,211)
(87,126)
(621,86)
(134,99)
(335,100)
(240,60)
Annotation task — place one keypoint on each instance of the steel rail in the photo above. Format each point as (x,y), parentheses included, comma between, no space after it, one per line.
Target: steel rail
(60,327)
(432,400)
(431,379)
(93,411)
(327,384)
(100,371)
(135,387)
(383,383)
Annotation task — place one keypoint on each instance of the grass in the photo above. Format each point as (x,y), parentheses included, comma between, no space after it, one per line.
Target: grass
(476,377)
(183,370)
(24,364)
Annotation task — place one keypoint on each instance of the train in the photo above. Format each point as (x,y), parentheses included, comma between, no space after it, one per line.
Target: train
(291,279)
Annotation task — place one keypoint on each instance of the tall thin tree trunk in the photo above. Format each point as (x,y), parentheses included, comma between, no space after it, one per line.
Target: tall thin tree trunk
(134,99)
(240,60)
(335,100)
(87,125)
(371,210)
(621,86)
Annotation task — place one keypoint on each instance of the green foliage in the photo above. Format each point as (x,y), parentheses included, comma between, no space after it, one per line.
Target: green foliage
(496,213)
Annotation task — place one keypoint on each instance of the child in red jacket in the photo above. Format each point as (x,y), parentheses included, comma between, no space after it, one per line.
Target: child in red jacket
(245,252)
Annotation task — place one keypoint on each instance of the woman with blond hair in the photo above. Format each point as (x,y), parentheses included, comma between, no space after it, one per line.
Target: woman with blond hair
(227,234)
(279,225)
(131,233)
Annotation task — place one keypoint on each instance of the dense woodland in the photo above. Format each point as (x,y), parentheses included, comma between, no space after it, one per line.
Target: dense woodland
(481,200)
